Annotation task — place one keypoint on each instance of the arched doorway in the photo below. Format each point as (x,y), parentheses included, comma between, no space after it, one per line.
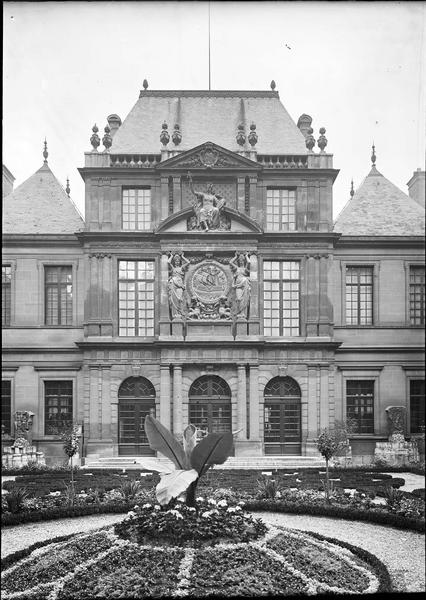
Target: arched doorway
(136,399)
(282,426)
(210,405)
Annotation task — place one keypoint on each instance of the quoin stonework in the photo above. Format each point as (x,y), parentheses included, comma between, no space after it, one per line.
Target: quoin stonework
(208,284)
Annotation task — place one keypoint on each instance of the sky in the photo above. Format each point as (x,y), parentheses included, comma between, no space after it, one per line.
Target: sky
(358,68)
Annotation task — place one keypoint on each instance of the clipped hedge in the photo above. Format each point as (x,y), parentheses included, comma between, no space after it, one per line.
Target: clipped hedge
(244,480)
(10,519)
(336,512)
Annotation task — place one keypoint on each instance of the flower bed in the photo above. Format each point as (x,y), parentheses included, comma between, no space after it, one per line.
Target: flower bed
(210,523)
(102,564)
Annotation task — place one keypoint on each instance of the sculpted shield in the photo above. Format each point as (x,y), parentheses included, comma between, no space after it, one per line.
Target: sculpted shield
(208,283)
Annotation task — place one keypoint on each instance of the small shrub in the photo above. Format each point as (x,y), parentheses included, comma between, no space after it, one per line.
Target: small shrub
(16,498)
(268,487)
(129,489)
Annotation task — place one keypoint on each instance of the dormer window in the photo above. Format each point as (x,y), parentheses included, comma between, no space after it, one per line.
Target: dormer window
(281,209)
(136,209)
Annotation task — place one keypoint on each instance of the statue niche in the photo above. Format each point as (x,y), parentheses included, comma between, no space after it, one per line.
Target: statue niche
(208,210)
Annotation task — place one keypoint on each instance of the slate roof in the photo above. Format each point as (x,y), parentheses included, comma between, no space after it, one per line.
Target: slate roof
(378,207)
(208,116)
(40,205)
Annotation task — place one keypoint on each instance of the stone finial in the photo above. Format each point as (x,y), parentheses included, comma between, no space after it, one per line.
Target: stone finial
(304,122)
(177,136)
(94,140)
(45,152)
(241,136)
(107,139)
(310,140)
(114,123)
(68,189)
(273,85)
(373,156)
(145,84)
(322,140)
(164,135)
(252,136)
(352,192)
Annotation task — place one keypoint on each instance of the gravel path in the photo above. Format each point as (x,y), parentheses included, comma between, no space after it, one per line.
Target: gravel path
(403,552)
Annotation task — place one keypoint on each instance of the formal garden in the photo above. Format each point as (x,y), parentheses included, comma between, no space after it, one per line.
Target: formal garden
(193,531)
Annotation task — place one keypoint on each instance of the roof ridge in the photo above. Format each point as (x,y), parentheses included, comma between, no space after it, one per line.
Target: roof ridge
(210,93)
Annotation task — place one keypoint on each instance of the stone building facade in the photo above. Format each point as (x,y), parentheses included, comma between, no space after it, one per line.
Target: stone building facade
(209,284)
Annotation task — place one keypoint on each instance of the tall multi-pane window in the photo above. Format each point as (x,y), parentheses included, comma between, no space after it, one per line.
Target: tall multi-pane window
(417,405)
(136,297)
(136,209)
(6,286)
(6,405)
(360,405)
(417,295)
(280,210)
(359,295)
(58,295)
(57,406)
(281,298)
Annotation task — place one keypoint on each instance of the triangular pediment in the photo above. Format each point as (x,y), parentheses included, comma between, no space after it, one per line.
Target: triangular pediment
(238,222)
(208,156)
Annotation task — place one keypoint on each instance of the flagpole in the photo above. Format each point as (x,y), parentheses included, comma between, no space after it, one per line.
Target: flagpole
(209,52)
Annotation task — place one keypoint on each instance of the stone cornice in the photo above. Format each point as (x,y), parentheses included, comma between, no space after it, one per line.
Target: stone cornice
(385,241)
(51,239)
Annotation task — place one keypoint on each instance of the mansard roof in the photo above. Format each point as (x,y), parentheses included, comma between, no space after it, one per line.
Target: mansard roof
(208,115)
(378,207)
(40,205)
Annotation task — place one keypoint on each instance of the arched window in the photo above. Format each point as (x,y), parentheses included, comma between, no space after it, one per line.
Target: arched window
(136,399)
(282,427)
(210,405)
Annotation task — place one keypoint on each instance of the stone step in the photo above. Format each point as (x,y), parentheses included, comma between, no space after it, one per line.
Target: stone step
(246,462)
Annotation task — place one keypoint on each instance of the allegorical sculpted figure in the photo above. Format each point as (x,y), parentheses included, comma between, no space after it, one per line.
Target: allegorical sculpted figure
(178,264)
(207,207)
(240,267)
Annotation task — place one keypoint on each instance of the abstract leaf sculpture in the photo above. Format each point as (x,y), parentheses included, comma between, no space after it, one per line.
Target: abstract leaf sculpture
(191,460)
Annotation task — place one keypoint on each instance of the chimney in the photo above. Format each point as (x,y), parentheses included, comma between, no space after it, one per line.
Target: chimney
(114,123)
(304,123)
(416,187)
(7,182)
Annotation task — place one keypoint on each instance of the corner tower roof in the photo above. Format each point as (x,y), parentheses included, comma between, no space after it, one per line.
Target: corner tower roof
(378,207)
(40,205)
(208,115)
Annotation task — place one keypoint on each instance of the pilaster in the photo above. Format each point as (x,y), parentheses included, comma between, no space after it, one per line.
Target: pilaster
(312,304)
(165,395)
(177,399)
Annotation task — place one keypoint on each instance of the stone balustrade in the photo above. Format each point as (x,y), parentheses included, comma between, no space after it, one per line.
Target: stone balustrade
(302,161)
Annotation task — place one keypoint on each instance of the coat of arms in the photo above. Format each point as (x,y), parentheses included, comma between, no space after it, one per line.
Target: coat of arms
(209,157)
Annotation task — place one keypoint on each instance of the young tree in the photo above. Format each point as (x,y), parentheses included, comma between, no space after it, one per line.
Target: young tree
(71,445)
(329,444)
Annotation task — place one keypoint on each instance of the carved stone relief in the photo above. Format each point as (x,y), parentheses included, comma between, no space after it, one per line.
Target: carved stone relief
(208,212)
(206,287)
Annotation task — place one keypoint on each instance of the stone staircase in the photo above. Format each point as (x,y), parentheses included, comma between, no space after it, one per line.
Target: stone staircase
(261,463)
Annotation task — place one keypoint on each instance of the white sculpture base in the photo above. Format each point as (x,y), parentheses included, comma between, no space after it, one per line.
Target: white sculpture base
(397,452)
(17,457)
